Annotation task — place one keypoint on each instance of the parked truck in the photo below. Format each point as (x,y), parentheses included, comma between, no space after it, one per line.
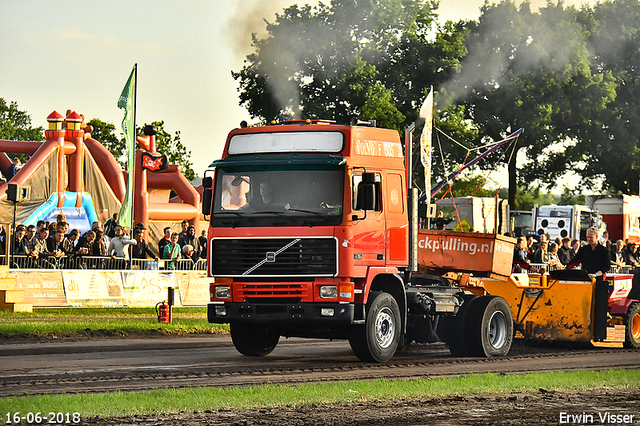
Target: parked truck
(314,233)
(621,213)
(560,221)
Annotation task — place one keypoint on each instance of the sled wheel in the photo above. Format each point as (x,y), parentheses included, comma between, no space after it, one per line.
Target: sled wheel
(632,327)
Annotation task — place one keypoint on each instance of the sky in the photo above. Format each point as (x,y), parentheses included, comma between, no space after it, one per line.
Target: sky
(77,55)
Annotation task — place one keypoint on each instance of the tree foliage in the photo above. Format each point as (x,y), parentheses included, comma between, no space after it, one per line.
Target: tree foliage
(531,70)
(348,58)
(15,125)
(105,133)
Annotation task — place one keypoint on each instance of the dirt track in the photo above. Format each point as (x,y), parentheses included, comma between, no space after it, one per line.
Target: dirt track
(542,408)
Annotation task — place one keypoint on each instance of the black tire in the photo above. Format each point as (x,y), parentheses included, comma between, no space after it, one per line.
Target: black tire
(378,339)
(489,327)
(632,327)
(252,340)
(452,328)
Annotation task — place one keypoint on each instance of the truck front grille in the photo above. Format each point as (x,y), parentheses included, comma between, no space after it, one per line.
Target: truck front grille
(269,257)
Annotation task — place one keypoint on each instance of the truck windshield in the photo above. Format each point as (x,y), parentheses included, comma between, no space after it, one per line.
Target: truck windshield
(278,197)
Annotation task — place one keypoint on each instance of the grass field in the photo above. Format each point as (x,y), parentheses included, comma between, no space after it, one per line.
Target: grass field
(168,401)
(121,321)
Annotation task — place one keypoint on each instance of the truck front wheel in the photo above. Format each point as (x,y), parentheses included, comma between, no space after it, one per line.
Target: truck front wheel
(632,324)
(253,340)
(378,339)
(489,327)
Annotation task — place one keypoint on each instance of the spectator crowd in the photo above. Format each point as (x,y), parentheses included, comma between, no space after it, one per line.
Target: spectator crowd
(561,252)
(108,246)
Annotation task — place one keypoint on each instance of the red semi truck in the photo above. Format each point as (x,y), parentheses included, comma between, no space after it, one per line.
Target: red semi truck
(313,233)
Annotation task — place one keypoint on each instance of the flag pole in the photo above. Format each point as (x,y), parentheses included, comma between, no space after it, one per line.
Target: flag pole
(132,171)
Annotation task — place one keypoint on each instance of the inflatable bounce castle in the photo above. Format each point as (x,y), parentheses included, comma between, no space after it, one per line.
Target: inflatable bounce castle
(74,174)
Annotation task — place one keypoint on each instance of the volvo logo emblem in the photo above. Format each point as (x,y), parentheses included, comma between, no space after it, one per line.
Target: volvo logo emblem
(271,256)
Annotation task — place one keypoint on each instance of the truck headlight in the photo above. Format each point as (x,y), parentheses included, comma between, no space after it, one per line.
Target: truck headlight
(222,292)
(329,292)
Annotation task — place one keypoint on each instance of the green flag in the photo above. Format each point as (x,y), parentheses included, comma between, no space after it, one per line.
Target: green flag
(128,127)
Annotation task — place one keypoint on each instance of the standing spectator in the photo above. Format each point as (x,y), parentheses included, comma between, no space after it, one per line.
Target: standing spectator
(13,168)
(553,260)
(192,240)
(631,255)
(440,222)
(63,246)
(30,236)
(203,243)
(40,225)
(575,246)
(542,254)
(110,226)
(117,245)
(564,253)
(166,239)
(99,247)
(617,254)
(594,259)
(171,252)
(187,253)
(62,249)
(19,244)
(84,247)
(185,226)
(73,237)
(520,260)
(141,249)
(40,247)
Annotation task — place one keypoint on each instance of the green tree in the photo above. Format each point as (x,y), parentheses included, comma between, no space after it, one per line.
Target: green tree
(530,70)
(609,147)
(15,125)
(105,133)
(367,58)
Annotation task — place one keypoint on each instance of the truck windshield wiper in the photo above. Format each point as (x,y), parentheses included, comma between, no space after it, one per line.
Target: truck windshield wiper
(229,212)
(269,212)
(306,211)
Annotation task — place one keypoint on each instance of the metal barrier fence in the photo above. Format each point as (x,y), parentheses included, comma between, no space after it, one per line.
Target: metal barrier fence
(614,269)
(95,262)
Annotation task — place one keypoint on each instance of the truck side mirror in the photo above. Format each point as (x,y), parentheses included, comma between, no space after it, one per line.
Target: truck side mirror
(207,195)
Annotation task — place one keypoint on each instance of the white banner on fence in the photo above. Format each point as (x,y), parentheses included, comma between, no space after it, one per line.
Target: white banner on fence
(146,288)
(194,287)
(43,289)
(91,289)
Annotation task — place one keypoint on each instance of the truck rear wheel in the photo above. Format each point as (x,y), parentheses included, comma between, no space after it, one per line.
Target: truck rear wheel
(253,340)
(489,327)
(452,328)
(378,339)
(632,327)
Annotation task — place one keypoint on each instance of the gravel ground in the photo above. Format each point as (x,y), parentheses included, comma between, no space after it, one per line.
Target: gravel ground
(602,407)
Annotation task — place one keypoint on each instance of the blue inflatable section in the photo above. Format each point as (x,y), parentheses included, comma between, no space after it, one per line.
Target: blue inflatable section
(78,218)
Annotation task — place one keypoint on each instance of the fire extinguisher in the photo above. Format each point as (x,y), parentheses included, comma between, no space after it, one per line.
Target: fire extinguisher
(162,309)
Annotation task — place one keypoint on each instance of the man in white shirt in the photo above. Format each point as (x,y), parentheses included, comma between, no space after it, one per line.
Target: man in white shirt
(117,246)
